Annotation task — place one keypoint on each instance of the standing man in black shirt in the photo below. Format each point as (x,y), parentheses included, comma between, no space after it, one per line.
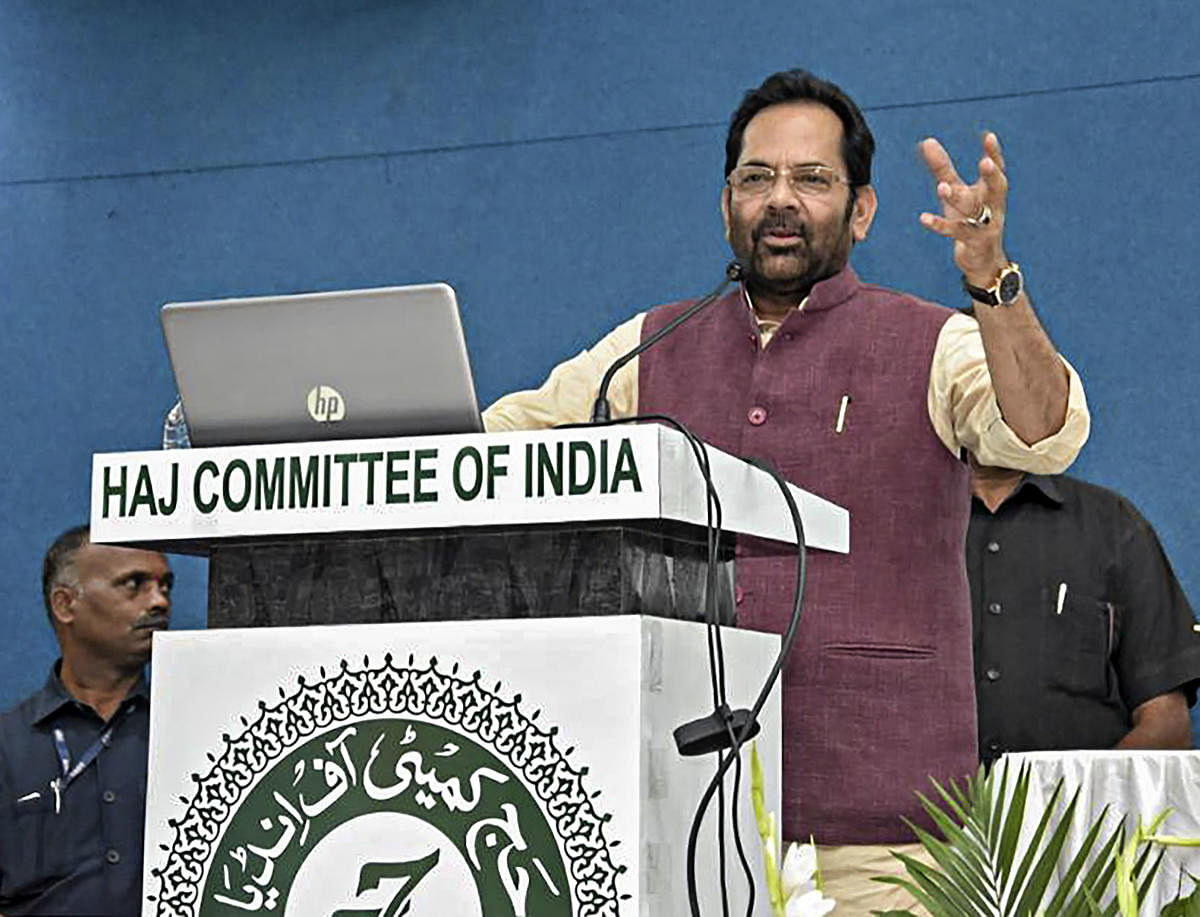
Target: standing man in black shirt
(73,756)
(1083,638)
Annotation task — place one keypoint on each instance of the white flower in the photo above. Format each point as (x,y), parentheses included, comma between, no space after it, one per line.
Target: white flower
(798,874)
(798,879)
(809,904)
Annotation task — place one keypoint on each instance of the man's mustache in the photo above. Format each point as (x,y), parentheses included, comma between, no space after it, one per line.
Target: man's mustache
(157,621)
(785,222)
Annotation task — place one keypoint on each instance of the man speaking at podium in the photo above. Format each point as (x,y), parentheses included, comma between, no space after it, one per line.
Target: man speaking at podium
(867,397)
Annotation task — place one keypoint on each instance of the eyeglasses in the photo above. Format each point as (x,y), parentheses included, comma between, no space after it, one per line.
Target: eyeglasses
(808,180)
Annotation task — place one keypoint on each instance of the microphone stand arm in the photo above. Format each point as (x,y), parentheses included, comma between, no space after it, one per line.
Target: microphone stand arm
(601,411)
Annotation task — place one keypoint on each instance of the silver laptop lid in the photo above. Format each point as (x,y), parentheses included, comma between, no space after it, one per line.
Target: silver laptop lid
(351,364)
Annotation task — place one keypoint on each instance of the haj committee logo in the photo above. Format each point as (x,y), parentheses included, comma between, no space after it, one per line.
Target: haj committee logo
(396,791)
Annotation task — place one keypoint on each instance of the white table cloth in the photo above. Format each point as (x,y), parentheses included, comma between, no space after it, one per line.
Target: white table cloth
(1133,784)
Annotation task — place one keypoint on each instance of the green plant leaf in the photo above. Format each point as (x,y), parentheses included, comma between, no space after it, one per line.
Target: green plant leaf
(971,885)
(984,865)
(943,888)
(1171,840)
(1076,865)
(960,808)
(1097,878)
(1012,814)
(1039,879)
(1013,890)
(1093,909)
(1186,906)
(928,896)
(1148,879)
(772,851)
(987,794)
(964,845)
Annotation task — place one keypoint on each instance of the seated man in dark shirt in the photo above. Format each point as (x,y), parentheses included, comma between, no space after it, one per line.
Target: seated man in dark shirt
(73,755)
(1083,638)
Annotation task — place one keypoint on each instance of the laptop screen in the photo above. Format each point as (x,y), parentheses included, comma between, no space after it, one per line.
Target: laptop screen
(354,364)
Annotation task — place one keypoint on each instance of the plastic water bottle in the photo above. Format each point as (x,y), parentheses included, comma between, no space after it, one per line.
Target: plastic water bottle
(175,428)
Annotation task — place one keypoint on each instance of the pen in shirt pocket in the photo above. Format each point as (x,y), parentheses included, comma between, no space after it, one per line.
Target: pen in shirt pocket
(840,424)
(1062,597)
(30,802)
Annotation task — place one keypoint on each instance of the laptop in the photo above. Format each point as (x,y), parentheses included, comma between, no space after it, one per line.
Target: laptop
(354,364)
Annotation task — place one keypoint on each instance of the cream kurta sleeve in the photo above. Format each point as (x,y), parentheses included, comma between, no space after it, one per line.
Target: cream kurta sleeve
(568,393)
(964,412)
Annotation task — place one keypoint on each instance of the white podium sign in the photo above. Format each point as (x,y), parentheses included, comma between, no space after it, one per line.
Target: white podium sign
(515,768)
(196,496)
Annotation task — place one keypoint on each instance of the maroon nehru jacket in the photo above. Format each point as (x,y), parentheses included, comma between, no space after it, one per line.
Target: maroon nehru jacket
(878,693)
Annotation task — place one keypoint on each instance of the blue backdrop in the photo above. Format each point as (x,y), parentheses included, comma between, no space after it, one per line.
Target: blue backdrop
(559,164)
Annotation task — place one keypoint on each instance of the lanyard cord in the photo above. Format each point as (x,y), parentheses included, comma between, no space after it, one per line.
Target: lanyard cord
(69,773)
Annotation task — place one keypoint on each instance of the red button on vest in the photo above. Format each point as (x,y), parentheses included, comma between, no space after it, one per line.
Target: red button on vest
(757,415)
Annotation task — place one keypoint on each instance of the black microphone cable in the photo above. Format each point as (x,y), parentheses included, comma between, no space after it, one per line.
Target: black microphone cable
(749,725)
(716,652)
(733,755)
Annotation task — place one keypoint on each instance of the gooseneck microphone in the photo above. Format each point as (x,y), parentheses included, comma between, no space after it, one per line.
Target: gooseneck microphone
(601,412)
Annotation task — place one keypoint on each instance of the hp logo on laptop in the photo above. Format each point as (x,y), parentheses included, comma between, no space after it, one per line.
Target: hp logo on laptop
(326,404)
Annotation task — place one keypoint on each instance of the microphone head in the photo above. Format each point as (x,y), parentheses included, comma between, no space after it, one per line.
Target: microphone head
(734,270)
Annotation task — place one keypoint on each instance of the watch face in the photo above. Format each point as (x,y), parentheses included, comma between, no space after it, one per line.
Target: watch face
(1010,287)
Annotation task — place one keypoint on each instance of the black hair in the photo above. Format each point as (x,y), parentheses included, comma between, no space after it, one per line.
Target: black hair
(858,145)
(58,564)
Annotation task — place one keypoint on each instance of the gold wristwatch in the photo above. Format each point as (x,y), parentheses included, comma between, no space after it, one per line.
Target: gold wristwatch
(1004,291)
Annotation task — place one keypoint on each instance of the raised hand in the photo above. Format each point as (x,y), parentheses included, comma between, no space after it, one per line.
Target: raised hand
(972,215)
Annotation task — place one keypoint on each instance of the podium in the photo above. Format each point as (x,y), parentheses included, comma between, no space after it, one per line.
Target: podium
(515,761)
